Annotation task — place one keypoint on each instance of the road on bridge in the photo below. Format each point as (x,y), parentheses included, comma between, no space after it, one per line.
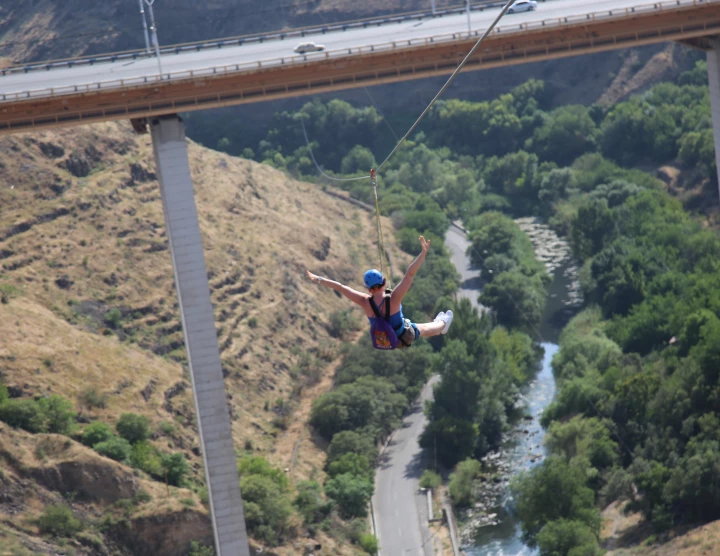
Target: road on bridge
(274,49)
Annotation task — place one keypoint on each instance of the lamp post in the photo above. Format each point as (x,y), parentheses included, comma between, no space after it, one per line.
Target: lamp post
(432,3)
(145,29)
(467,3)
(153,29)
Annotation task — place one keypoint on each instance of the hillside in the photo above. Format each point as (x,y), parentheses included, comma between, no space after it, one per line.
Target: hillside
(89,309)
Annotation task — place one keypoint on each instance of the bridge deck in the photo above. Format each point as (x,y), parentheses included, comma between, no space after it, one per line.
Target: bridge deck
(153,95)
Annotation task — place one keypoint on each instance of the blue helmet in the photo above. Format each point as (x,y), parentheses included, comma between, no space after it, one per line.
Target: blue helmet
(373,278)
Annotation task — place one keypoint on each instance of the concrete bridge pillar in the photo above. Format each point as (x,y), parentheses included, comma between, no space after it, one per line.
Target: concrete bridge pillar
(193,290)
(713,64)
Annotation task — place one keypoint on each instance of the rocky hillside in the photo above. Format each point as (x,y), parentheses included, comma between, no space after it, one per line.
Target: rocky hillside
(89,311)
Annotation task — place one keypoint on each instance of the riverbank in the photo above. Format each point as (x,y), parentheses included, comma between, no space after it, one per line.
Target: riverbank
(489,528)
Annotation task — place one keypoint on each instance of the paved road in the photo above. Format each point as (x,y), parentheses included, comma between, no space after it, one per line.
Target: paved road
(275,48)
(400,509)
(457,243)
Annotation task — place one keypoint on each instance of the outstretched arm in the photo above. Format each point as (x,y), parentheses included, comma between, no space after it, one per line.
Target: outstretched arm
(351,294)
(402,288)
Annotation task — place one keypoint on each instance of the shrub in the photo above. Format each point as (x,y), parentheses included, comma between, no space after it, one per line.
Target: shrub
(23,414)
(369,543)
(115,448)
(174,467)
(59,521)
(96,432)
(197,549)
(93,399)
(310,503)
(58,414)
(461,482)
(430,479)
(113,318)
(342,323)
(133,427)
(351,493)
(144,456)
(166,428)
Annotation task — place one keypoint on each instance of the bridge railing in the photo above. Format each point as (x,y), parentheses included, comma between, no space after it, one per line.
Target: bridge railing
(250,38)
(246,67)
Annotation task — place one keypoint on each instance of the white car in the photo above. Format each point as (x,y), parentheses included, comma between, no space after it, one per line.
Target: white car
(523,6)
(306,47)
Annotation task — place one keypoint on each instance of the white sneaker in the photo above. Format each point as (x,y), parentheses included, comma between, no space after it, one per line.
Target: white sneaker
(448,318)
(440,317)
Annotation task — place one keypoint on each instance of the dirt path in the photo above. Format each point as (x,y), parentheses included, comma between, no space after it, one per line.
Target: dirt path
(295,449)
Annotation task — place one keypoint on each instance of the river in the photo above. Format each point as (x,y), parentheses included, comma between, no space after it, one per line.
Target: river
(491,528)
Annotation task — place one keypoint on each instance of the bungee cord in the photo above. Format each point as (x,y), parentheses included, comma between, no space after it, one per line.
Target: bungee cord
(427,108)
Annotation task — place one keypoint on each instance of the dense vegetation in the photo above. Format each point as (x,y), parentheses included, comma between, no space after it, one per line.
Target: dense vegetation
(634,407)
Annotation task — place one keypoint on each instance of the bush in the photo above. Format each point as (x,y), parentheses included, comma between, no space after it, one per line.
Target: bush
(197,549)
(461,482)
(96,432)
(23,414)
(145,456)
(58,414)
(174,467)
(430,479)
(351,493)
(59,521)
(342,323)
(369,543)
(93,399)
(310,503)
(115,448)
(133,427)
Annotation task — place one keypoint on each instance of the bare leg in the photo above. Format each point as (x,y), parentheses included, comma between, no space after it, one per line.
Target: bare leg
(430,328)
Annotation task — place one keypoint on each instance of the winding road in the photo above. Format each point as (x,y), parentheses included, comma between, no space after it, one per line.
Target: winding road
(401,514)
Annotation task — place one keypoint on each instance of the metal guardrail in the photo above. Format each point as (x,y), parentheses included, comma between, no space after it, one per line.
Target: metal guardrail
(345,52)
(243,39)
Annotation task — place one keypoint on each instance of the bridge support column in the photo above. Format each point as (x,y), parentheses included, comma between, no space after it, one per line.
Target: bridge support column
(193,290)
(713,64)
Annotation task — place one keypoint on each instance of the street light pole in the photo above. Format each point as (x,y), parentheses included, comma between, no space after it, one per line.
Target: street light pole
(432,3)
(153,29)
(467,2)
(145,29)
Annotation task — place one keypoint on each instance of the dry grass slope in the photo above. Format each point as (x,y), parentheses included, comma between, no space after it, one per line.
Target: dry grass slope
(88,303)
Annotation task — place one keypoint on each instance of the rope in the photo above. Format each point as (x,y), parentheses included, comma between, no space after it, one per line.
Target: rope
(381,242)
(302,121)
(424,113)
(450,80)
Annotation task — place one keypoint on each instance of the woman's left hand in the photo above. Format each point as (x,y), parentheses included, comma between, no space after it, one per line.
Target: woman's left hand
(313,277)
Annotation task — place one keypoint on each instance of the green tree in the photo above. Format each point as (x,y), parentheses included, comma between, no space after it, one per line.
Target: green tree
(310,503)
(355,464)
(96,432)
(566,133)
(351,493)
(461,482)
(133,427)
(566,537)
(267,508)
(58,413)
(174,467)
(552,491)
(114,448)
(358,159)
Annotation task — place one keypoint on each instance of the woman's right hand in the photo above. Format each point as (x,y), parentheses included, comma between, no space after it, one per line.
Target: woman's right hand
(313,277)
